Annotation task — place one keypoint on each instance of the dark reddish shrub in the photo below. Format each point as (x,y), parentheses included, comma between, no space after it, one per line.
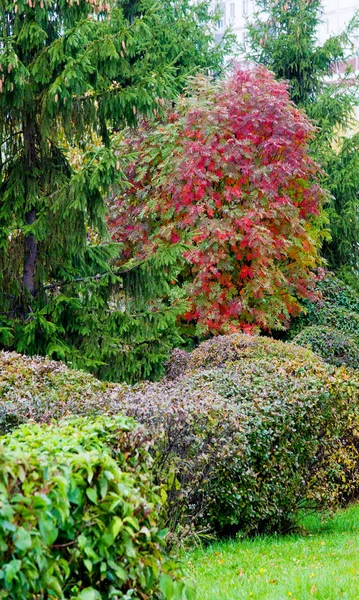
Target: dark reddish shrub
(247,434)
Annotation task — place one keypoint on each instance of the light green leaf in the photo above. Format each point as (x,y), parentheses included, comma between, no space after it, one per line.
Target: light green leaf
(88,564)
(166,586)
(11,569)
(89,594)
(116,526)
(22,539)
(48,531)
(91,493)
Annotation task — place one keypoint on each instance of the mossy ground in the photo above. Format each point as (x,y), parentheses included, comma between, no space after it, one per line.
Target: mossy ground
(321,563)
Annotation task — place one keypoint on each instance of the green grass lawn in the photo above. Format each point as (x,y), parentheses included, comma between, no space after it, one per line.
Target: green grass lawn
(322,564)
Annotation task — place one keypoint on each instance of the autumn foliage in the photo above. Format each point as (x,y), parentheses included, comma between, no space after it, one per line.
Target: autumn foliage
(227,176)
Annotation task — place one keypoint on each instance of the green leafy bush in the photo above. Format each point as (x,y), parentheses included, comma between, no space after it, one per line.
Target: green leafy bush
(335,347)
(348,275)
(337,467)
(78,515)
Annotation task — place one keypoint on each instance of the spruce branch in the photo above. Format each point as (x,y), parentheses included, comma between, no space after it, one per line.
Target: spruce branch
(99,276)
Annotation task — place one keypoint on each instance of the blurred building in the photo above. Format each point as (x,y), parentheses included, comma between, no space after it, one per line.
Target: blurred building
(336,14)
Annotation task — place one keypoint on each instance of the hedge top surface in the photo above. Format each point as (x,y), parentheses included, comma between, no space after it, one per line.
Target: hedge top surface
(227,350)
(41,389)
(33,381)
(37,375)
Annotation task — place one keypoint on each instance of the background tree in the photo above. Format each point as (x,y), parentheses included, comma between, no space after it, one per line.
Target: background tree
(183,32)
(283,36)
(69,72)
(228,174)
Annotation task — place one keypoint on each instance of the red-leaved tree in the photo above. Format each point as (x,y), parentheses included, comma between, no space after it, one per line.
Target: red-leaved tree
(227,173)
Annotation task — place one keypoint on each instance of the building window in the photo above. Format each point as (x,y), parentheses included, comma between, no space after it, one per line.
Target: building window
(245,8)
(222,21)
(232,10)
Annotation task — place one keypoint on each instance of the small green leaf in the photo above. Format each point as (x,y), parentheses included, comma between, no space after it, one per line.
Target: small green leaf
(166,586)
(88,565)
(11,569)
(54,585)
(133,522)
(116,526)
(48,531)
(121,573)
(91,493)
(22,539)
(6,525)
(89,594)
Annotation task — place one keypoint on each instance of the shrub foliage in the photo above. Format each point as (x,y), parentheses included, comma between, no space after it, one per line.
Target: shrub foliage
(39,389)
(244,430)
(228,174)
(334,346)
(336,306)
(79,515)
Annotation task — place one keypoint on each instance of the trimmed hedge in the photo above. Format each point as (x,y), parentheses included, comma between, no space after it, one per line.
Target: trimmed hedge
(78,515)
(335,347)
(245,430)
(240,433)
(41,389)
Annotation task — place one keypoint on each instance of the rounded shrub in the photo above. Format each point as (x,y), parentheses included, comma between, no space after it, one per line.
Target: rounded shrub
(79,515)
(238,433)
(39,389)
(335,347)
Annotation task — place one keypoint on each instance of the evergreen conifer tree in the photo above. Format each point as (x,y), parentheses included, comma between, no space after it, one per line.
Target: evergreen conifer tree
(183,32)
(283,36)
(71,71)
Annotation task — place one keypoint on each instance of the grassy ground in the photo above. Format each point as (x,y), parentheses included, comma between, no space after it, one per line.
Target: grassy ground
(323,564)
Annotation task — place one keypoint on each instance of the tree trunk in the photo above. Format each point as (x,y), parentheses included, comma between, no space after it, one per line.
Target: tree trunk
(30,255)
(30,243)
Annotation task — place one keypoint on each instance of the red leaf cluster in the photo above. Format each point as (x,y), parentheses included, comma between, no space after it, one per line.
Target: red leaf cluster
(228,173)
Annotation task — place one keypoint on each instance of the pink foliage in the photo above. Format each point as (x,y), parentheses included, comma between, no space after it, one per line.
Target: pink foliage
(229,175)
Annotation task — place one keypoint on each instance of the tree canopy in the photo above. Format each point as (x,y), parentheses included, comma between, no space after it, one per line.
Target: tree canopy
(227,174)
(283,36)
(73,75)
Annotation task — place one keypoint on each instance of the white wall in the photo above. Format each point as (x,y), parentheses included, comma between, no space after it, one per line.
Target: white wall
(336,15)
(234,13)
